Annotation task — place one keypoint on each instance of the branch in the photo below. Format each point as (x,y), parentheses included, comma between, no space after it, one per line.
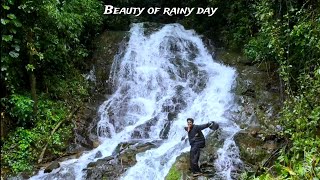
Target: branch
(53,131)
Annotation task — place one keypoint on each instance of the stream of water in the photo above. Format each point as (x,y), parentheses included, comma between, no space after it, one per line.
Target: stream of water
(162,78)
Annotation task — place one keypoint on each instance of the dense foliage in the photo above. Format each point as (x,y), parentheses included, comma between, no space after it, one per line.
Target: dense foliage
(44,45)
(25,144)
(289,34)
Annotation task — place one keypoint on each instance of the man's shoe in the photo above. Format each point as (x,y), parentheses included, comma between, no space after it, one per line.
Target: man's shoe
(196,174)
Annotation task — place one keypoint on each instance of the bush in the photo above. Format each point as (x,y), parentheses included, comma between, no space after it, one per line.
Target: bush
(23,146)
(20,109)
(301,119)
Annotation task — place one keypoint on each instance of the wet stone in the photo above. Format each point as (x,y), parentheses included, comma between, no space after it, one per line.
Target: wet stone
(52,166)
(172,116)
(165,130)
(68,175)
(124,157)
(21,176)
(254,150)
(98,154)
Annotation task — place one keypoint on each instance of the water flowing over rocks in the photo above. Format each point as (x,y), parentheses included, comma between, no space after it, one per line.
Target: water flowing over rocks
(258,95)
(259,101)
(144,103)
(112,167)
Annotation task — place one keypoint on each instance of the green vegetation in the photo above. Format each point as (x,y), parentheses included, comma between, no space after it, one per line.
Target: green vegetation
(24,145)
(44,45)
(289,34)
(173,174)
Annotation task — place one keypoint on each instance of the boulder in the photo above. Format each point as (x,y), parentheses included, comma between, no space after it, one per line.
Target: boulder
(52,166)
(181,167)
(20,176)
(255,149)
(98,154)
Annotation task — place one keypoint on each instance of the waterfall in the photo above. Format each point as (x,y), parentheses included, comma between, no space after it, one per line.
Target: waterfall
(160,80)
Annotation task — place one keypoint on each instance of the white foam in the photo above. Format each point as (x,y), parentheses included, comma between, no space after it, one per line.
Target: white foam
(171,67)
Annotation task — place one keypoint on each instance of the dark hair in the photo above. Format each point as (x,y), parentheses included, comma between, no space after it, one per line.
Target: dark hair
(190,119)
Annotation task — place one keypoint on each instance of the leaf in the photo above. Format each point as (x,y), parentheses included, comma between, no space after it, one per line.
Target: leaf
(30,67)
(5,21)
(301,169)
(289,170)
(5,7)
(7,38)
(23,6)
(11,2)
(17,23)
(13,54)
(12,16)
(3,68)
(16,47)
(40,55)
(14,31)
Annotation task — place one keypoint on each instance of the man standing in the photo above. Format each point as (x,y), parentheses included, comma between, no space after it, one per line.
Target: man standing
(197,141)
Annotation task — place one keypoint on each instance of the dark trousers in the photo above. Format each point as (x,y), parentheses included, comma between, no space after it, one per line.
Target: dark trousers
(194,158)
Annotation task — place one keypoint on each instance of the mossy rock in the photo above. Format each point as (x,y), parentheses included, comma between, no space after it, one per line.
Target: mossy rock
(174,174)
(251,148)
(180,168)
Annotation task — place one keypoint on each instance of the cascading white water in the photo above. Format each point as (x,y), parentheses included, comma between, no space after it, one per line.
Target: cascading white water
(159,81)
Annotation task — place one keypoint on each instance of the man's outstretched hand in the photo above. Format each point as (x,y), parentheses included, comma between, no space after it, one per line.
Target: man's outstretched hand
(213,125)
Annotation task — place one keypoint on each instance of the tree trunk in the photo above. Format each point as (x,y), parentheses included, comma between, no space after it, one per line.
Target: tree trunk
(32,76)
(33,91)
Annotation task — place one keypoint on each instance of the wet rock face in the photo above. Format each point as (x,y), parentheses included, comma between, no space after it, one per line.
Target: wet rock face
(258,95)
(102,168)
(214,141)
(250,148)
(21,176)
(67,175)
(180,169)
(112,167)
(256,146)
(258,98)
(257,103)
(107,46)
(142,131)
